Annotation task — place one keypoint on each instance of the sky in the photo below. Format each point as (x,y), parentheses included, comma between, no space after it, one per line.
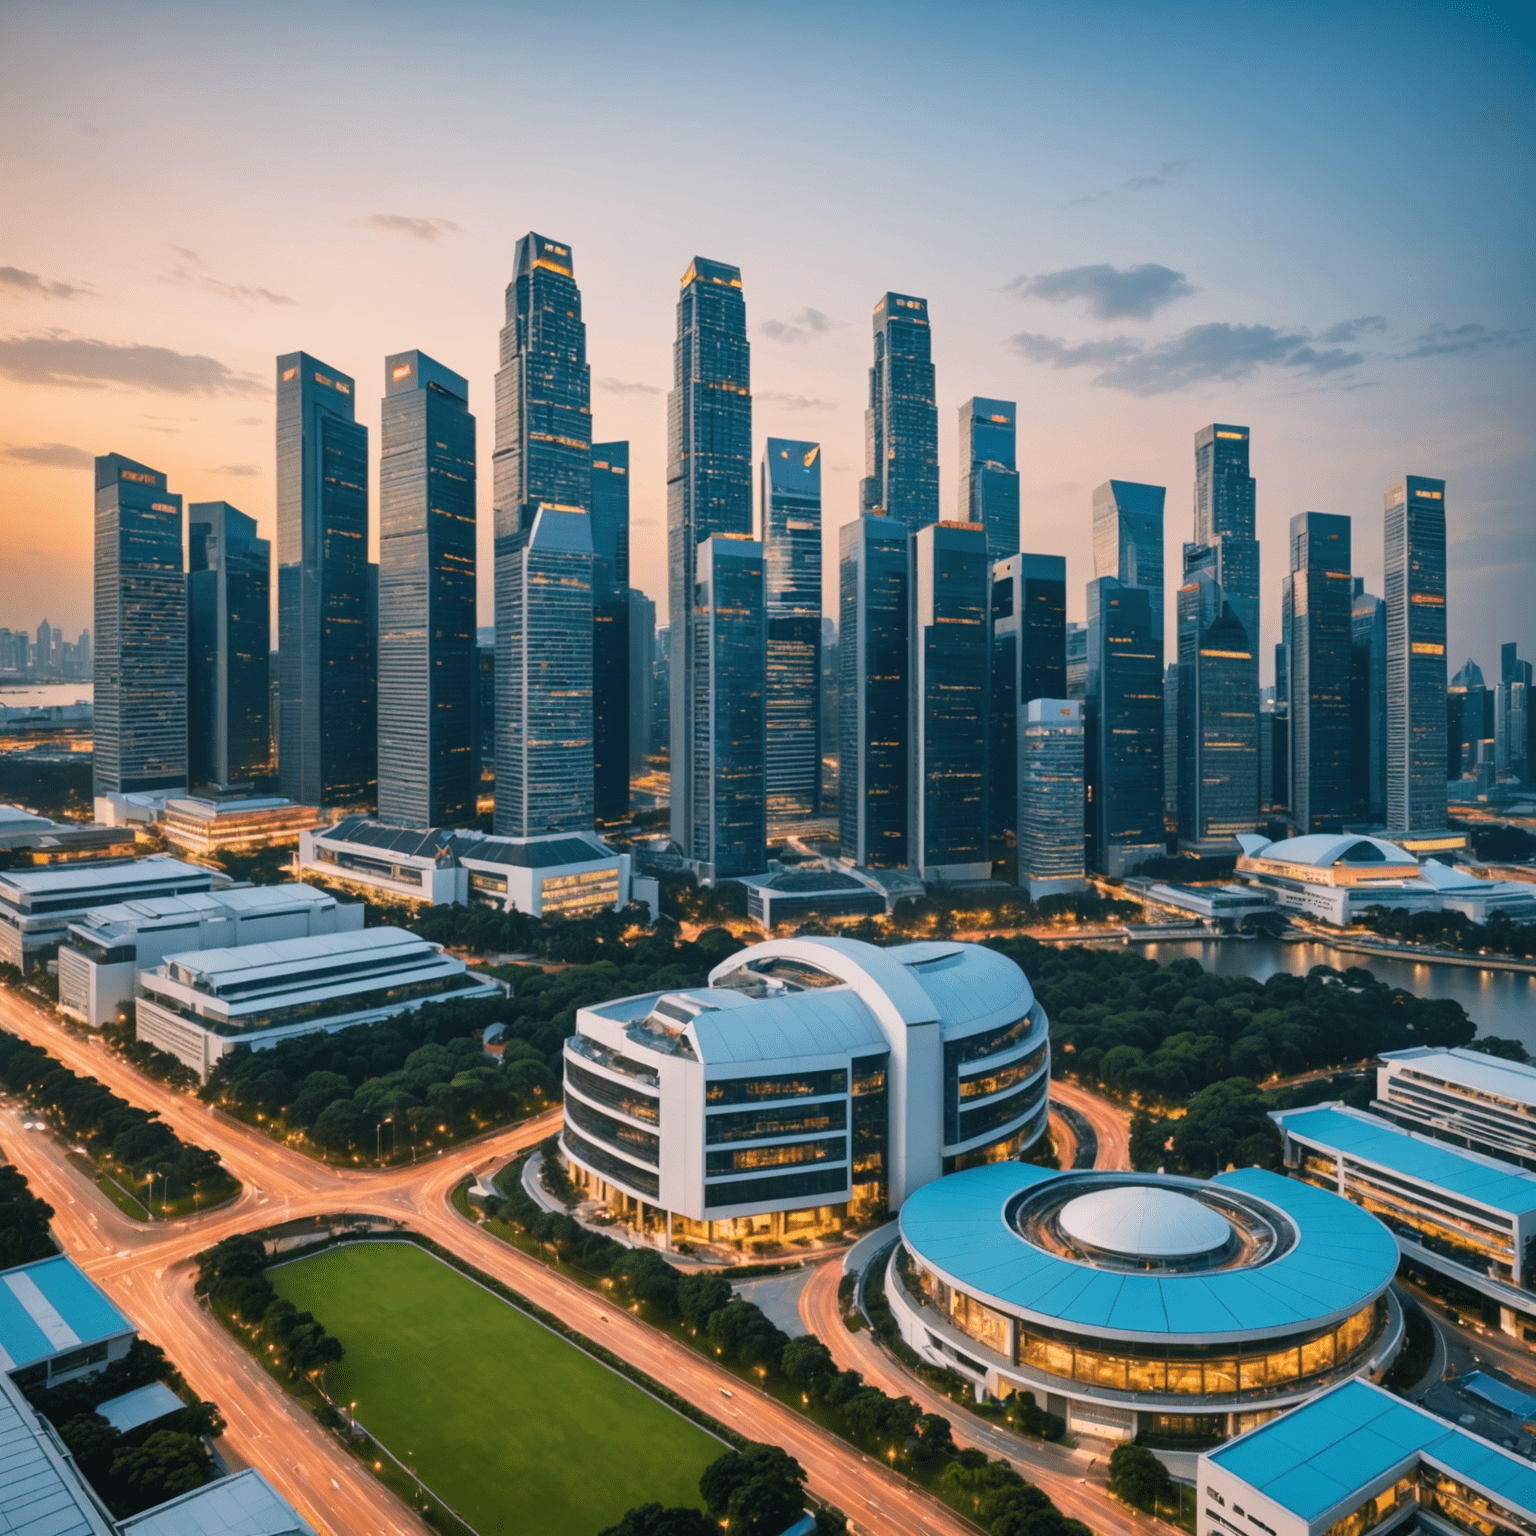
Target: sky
(1314,220)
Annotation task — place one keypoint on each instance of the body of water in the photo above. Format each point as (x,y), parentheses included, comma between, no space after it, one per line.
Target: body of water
(35,695)
(1499,1002)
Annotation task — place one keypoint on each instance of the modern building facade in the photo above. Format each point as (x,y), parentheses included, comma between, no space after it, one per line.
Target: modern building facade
(729,761)
(989,472)
(790,501)
(811,1081)
(1225,517)
(642,677)
(1368,707)
(1322,602)
(951,592)
(1471,726)
(140,719)
(1050,798)
(1123,734)
(229,640)
(328,740)
(426,595)
(1414,588)
(610,519)
(1128,543)
(1516,722)
(1029,661)
(200,824)
(873,695)
(901,425)
(709,490)
(612,633)
(1176,1311)
(1463,1097)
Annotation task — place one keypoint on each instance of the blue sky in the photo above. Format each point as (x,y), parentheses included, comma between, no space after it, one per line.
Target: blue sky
(1312,219)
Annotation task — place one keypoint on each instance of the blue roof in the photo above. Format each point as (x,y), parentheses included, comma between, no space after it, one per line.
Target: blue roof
(48,1308)
(1324,1454)
(1342,1260)
(1355,1134)
(1501,1394)
(132,1410)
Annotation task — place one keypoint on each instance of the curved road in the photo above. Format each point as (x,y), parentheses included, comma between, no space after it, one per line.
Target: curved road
(1109,1123)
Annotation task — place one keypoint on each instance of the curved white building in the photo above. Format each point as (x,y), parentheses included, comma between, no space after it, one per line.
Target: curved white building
(811,1076)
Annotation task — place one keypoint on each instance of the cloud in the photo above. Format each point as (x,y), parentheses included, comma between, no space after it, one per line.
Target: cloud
(1052,350)
(793,402)
(250,421)
(808,323)
(1169,170)
(1108,293)
(48,456)
(235,469)
(56,357)
(29,282)
(207,283)
(1349,330)
(1460,340)
(626,387)
(404,224)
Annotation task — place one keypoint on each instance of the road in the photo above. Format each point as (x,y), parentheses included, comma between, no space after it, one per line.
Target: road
(1109,1124)
(1065,1140)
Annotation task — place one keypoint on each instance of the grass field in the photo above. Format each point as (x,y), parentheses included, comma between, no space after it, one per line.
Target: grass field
(518,1430)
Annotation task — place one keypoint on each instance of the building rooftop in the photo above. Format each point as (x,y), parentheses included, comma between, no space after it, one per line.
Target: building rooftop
(531,853)
(59,880)
(1324,849)
(1467,1174)
(243,968)
(39,1494)
(243,1505)
(1144,1223)
(1521,1404)
(48,1307)
(409,842)
(1316,1458)
(812,1023)
(143,1406)
(1511,1080)
(213,810)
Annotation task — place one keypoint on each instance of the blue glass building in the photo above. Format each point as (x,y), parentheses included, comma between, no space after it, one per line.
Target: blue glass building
(427,644)
(1128,542)
(612,753)
(1320,663)
(901,426)
(610,519)
(989,472)
(709,491)
(790,497)
(329,734)
(1368,707)
(140,732)
(229,640)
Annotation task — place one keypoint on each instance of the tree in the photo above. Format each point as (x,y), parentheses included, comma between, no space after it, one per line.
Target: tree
(701,1295)
(758,1490)
(653,1520)
(24,1221)
(934,1435)
(93,1443)
(807,1362)
(165,1465)
(1138,1477)
(1228,1122)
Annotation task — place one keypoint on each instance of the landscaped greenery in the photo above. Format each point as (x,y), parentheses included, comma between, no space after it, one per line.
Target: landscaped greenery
(1500,935)
(24,1221)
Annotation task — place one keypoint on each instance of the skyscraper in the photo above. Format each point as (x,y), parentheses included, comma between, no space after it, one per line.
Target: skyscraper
(1050,798)
(1320,663)
(989,472)
(610,519)
(542,490)
(141,632)
(229,638)
(427,647)
(1471,726)
(1128,543)
(790,497)
(872,693)
(901,426)
(951,583)
(1368,706)
(709,486)
(329,734)
(642,677)
(1414,530)
(1515,719)
(611,631)
(1029,661)
(729,766)
(1124,719)
(1225,520)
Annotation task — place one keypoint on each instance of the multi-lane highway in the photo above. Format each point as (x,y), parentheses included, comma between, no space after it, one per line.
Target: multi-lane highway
(1109,1124)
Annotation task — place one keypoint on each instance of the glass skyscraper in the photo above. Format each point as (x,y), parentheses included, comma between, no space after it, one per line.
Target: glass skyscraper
(612,754)
(140,733)
(729,765)
(1416,675)
(229,640)
(1225,502)
(329,734)
(989,472)
(1320,663)
(1514,715)
(901,426)
(709,490)
(1029,661)
(872,691)
(1128,543)
(610,519)
(949,838)
(790,498)
(542,490)
(1368,706)
(642,677)
(427,643)
(1051,798)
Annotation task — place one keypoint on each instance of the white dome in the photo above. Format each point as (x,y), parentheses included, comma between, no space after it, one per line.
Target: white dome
(1144,1222)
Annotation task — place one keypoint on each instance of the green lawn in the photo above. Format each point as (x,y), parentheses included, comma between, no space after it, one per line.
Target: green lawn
(518,1430)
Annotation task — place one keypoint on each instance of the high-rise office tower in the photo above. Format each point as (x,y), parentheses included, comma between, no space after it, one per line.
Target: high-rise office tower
(642,677)
(989,472)
(729,674)
(1029,661)
(1125,720)
(1514,714)
(1471,725)
(790,498)
(542,493)
(1225,519)
(427,643)
(1368,706)
(1414,529)
(709,487)
(1171,743)
(329,732)
(45,655)
(611,599)
(140,732)
(1051,798)
(872,691)
(901,426)
(1128,543)
(950,593)
(229,638)
(1320,661)
(1077,660)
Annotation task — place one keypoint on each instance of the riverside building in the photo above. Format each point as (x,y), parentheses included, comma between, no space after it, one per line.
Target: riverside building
(1175,1311)
(810,1079)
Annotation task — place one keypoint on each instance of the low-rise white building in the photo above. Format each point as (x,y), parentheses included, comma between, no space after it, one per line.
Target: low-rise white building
(1464,1097)
(1217,903)
(200,1005)
(201,825)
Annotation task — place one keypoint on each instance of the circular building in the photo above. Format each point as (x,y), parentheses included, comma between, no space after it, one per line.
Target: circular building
(1182,1311)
